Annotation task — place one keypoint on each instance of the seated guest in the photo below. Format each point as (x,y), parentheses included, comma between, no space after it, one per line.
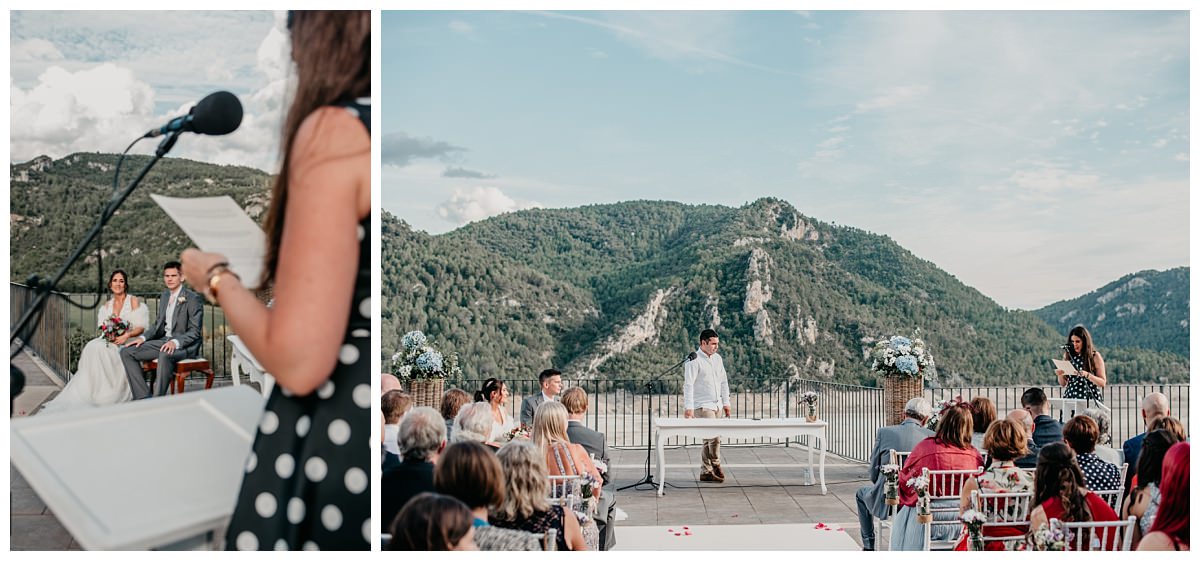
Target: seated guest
(1005,441)
(1081,433)
(1103,450)
(1154,405)
(470,472)
(1169,424)
(1026,420)
(1170,530)
(432,522)
(871,499)
(983,412)
(1145,497)
(452,401)
(562,456)
(389,382)
(526,489)
(474,423)
(575,400)
(1059,493)
(950,448)
(1045,429)
(422,438)
(394,404)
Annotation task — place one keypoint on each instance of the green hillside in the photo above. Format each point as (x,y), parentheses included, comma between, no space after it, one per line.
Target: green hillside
(53,204)
(621,291)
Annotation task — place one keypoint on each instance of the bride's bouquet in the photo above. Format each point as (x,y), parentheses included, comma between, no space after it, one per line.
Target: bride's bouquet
(113,327)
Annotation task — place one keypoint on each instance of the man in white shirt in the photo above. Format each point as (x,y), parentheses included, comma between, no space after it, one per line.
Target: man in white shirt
(394,403)
(705,390)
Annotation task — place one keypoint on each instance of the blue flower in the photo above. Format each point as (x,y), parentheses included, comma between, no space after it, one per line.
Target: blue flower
(898,342)
(413,340)
(430,361)
(908,365)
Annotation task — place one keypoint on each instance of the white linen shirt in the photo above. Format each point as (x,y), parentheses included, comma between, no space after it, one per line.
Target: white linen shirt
(705,384)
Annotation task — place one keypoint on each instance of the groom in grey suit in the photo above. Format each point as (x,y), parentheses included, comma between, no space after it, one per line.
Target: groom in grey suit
(177,334)
(871,499)
(551,383)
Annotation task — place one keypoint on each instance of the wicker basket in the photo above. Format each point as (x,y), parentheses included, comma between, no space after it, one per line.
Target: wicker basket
(426,392)
(897,390)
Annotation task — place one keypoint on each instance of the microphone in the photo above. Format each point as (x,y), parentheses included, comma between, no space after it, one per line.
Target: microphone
(218,113)
(691,356)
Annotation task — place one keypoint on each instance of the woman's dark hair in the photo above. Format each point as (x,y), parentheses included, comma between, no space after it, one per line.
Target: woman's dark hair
(470,472)
(1150,459)
(1085,350)
(983,412)
(332,51)
(1081,432)
(1058,475)
(430,522)
(114,274)
(1174,516)
(490,387)
(954,428)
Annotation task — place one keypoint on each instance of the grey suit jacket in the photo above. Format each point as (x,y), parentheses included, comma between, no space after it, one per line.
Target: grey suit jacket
(529,405)
(187,325)
(592,442)
(901,438)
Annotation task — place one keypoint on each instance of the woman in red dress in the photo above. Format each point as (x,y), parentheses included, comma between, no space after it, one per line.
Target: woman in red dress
(1059,493)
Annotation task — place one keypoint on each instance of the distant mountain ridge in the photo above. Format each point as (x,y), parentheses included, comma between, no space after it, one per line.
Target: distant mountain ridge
(1147,309)
(620,291)
(53,203)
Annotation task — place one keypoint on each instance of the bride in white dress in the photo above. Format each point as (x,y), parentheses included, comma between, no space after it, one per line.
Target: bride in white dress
(100,378)
(495,393)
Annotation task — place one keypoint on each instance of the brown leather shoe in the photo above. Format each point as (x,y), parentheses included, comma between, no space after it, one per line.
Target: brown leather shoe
(707,477)
(718,473)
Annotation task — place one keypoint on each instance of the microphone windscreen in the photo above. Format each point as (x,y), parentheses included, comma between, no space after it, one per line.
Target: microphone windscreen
(218,113)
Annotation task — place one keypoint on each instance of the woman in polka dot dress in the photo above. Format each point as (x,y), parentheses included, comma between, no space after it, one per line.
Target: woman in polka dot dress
(306,483)
(1088,364)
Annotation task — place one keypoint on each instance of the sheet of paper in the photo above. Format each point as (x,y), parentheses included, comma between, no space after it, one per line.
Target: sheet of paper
(219,225)
(1064,366)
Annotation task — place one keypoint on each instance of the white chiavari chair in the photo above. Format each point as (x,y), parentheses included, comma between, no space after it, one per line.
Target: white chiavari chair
(1098,536)
(945,492)
(1003,510)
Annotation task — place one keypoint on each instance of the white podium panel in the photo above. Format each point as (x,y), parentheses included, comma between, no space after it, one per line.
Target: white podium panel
(141,474)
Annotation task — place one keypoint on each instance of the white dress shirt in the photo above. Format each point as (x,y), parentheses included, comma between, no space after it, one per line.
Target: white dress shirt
(390,435)
(705,384)
(172,303)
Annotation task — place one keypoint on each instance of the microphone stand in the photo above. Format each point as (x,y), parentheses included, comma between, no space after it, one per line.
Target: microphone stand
(44,288)
(648,479)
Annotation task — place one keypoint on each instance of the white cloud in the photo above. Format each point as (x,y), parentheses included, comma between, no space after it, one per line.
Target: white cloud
(1182,157)
(35,49)
(892,97)
(1159,143)
(462,27)
(468,204)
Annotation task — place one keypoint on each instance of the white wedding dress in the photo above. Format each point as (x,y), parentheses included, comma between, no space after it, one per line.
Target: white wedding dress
(100,378)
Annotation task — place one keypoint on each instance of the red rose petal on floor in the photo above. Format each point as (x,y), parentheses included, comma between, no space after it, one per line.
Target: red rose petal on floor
(677,533)
(841,529)
(687,533)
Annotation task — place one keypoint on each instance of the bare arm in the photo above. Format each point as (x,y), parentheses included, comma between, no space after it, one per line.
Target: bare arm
(1100,377)
(573,533)
(329,193)
(964,501)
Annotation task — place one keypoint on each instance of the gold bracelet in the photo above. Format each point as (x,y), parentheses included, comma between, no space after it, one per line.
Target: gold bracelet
(214,279)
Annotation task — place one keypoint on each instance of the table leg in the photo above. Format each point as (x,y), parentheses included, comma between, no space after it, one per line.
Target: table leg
(808,478)
(233,370)
(662,466)
(824,447)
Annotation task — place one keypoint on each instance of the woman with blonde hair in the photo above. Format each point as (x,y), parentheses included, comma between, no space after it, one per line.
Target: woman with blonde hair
(525,506)
(562,456)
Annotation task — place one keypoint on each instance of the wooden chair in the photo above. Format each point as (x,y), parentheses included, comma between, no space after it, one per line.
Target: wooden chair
(897,458)
(945,492)
(1099,536)
(1003,510)
(183,369)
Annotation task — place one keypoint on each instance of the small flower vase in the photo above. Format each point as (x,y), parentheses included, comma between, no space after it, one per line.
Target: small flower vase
(893,492)
(924,515)
(810,413)
(976,541)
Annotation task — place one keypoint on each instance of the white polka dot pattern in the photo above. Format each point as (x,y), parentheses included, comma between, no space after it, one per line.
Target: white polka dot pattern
(326,390)
(315,469)
(265,505)
(247,541)
(251,462)
(362,395)
(285,465)
(339,432)
(356,480)
(302,426)
(364,308)
(295,511)
(331,518)
(348,355)
(281,545)
(270,422)
(310,546)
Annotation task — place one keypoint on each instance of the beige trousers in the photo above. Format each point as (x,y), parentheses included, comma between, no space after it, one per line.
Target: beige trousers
(711,454)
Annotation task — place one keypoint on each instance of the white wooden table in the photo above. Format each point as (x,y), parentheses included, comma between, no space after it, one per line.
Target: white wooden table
(145,474)
(666,427)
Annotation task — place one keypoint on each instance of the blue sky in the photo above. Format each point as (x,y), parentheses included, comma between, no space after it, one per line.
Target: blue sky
(1036,156)
(94,81)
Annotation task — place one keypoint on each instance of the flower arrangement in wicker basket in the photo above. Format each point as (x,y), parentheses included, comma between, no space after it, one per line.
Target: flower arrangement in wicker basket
(423,368)
(904,363)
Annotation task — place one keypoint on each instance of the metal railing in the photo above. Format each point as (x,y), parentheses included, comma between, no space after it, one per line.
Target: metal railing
(854,412)
(64,328)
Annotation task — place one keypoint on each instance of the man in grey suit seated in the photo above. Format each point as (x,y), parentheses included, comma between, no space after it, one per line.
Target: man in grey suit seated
(551,382)
(575,400)
(871,499)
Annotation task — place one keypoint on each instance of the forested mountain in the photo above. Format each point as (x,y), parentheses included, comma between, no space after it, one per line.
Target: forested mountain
(1148,310)
(53,204)
(621,291)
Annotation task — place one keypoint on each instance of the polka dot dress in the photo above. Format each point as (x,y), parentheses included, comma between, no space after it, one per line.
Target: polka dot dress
(307,481)
(1077,386)
(1098,474)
